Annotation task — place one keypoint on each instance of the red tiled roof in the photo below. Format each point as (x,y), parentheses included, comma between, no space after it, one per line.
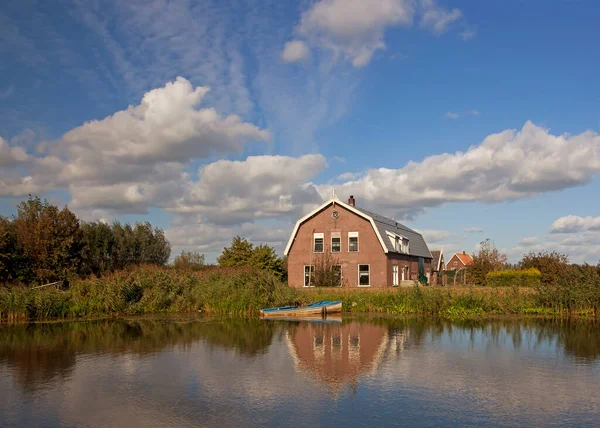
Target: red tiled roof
(466,259)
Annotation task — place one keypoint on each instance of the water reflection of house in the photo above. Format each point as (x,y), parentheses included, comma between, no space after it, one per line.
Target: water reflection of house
(339,354)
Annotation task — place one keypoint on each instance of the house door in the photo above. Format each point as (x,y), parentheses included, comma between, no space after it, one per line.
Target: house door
(394,275)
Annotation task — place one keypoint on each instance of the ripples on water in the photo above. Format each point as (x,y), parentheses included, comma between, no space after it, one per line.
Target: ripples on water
(355,372)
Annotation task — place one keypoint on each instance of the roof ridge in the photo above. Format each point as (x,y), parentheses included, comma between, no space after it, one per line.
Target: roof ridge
(391,221)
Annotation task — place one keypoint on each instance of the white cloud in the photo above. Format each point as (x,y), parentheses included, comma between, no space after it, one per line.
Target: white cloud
(435,236)
(457,115)
(135,157)
(11,156)
(529,241)
(473,230)
(437,18)
(211,239)
(573,223)
(234,192)
(468,34)
(295,51)
(353,29)
(505,166)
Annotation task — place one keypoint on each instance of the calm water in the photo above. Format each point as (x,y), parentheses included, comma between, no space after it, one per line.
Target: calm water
(232,372)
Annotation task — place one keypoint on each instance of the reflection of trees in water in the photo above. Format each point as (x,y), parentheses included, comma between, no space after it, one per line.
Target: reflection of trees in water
(38,353)
(577,338)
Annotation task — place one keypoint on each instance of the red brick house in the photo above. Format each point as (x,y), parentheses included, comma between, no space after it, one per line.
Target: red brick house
(369,250)
(459,261)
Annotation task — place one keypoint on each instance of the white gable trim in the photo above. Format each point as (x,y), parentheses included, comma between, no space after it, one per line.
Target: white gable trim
(440,259)
(322,207)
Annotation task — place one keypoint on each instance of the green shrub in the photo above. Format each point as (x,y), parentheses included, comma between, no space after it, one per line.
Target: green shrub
(514,278)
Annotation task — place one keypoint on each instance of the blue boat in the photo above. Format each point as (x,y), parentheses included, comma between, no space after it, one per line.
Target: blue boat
(316,308)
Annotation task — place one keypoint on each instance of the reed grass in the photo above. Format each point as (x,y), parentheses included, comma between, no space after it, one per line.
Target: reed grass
(243,291)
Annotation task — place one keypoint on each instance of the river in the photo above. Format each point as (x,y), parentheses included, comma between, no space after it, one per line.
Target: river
(353,372)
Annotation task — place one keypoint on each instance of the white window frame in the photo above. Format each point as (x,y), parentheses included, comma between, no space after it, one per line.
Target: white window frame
(395,277)
(337,235)
(312,268)
(353,235)
(318,235)
(358,273)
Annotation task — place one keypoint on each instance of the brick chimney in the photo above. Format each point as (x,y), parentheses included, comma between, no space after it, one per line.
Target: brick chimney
(351,200)
(464,252)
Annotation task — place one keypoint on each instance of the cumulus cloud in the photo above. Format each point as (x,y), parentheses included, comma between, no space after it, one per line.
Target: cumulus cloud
(436,18)
(295,51)
(574,223)
(233,192)
(473,230)
(529,241)
(11,156)
(136,156)
(505,166)
(212,239)
(353,29)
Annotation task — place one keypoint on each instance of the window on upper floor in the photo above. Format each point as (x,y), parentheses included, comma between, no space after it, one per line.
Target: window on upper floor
(336,242)
(353,241)
(318,239)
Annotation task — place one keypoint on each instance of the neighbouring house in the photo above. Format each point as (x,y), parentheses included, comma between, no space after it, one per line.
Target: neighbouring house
(459,261)
(437,267)
(365,249)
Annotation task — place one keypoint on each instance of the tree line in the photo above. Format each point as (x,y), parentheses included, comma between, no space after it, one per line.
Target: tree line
(42,243)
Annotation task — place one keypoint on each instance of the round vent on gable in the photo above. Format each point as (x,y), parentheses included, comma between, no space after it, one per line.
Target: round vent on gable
(335,215)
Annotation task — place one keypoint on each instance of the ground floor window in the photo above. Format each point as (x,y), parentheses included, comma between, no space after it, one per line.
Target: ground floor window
(309,276)
(394,275)
(363,275)
(337,271)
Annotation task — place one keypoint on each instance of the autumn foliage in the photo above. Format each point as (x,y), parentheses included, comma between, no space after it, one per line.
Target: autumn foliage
(42,243)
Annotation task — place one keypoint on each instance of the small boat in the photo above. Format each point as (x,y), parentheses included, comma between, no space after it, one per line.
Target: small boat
(317,308)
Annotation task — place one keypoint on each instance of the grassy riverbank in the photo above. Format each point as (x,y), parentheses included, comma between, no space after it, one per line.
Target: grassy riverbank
(237,291)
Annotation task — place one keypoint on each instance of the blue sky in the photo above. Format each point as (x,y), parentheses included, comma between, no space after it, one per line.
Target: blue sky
(467,120)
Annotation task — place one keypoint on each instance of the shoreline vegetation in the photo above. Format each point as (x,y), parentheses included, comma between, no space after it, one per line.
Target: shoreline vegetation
(104,270)
(243,291)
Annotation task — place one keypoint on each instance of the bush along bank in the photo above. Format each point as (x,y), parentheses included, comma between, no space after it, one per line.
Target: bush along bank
(243,291)
(144,290)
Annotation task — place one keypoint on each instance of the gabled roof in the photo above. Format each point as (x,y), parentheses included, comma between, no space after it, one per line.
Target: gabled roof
(381,225)
(437,259)
(465,258)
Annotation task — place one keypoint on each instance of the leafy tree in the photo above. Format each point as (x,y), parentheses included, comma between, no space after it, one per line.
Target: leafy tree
(238,254)
(551,264)
(189,260)
(98,247)
(326,273)
(488,259)
(264,257)
(243,253)
(49,238)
